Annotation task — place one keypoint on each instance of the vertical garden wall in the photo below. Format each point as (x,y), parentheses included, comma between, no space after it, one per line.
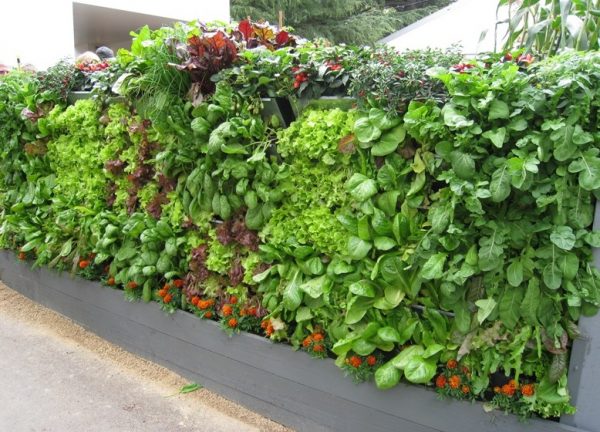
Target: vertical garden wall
(436,230)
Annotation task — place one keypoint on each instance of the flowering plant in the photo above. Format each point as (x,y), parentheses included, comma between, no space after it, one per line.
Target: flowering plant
(455,381)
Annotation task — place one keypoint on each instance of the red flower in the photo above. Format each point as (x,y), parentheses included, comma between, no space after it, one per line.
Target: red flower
(163,293)
(451,364)
(317,337)
(318,348)
(307,341)
(507,390)
(371,360)
(232,322)
(132,285)
(195,300)
(233,300)
(355,361)
(168,298)
(454,381)
(527,390)
(441,381)
(525,59)
(178,283)
(465,389)
(110,281)
(83,264)
(227,310)
(208,315)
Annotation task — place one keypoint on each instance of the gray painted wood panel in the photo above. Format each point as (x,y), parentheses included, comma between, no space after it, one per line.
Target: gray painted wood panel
(290,387)
(584,365)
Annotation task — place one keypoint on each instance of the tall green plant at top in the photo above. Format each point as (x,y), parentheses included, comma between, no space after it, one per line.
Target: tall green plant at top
(548,26)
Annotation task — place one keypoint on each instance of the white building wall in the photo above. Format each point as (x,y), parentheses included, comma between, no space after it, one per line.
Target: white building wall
(40,32)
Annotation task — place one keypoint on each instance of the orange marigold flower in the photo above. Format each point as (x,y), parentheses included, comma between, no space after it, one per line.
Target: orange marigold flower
(208,315)
(496,389)
(317,337)
(168,298)
(527,390)
(270,330)
(227,310)
(355,361)
(162,293)
(371,360)
(507,390)
(454,381)
(132,285)
(465,389)
(513,384)
(22,256)
(441,381)
(110,281)
(318,348)
(243,312)
(252,311)
(306,342)
(178,283)
(233,300)
(195,300)
(232,322)
(205,304)
(83,264)
(166,287)
(451,364)
(265,324)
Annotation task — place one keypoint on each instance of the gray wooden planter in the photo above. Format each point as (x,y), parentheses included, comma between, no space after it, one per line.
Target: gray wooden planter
(289,387)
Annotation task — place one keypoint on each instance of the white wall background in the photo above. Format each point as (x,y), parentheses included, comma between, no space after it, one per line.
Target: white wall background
(40,32)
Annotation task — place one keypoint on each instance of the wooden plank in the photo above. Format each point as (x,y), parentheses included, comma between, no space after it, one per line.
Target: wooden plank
(584,364)
(288,386)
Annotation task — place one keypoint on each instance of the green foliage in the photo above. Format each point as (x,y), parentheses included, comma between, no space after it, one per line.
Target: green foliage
(448,219)
(357,22)
(549,26)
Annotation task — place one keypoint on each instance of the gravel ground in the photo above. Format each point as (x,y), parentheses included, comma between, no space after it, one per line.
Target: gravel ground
(59,377)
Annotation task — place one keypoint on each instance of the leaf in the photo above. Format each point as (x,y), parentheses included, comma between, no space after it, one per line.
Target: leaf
(500,184)
(358,248)
(303,314)
(558,367)
(563,237)
(496,136)
(387,376)
(419,370)
(432,350)
(389,142)
(552,276)
(463,164)
(366,131)
(292,295)
(361,187)
(382,119)
(189,388)
(498,110)
(363,347)
(485,308)
(315,287)
(394,294)
(384,243)
(357,308)
(568,264)
(434,266)
(593,239)
(529,305)
(404,357)
(388,334)
(363,288)
(453,118)
(588,168)
(509,306)
(514,273)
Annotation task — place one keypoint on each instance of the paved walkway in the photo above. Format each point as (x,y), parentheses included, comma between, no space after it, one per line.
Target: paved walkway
(51,383)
